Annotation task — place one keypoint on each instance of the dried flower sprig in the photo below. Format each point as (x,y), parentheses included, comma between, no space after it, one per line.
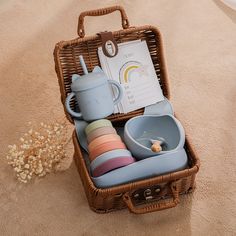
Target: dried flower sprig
(41,150)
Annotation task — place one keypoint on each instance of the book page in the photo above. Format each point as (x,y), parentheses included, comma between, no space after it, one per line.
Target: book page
(132,67)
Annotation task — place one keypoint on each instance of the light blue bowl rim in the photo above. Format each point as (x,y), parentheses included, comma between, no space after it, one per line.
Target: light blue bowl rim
(179,126)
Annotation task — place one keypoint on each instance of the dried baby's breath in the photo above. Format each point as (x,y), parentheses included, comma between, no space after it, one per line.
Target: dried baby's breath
(40,151)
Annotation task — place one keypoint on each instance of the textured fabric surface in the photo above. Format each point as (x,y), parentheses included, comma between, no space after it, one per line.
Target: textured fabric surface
(199,38)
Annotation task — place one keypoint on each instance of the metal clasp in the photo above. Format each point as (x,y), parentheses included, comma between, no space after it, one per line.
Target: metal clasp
(148,194)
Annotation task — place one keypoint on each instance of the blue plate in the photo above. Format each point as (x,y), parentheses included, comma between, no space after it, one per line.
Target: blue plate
(150,167)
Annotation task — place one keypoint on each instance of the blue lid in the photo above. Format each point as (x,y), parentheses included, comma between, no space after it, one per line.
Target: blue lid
(88,81)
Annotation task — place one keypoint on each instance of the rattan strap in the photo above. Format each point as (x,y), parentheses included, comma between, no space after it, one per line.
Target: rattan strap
(154,206)
(101,12)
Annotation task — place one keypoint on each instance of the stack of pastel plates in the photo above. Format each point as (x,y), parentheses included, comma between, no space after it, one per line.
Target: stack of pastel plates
(106,149)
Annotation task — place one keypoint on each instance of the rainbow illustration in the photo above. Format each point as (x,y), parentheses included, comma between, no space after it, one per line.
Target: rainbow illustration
(128,69)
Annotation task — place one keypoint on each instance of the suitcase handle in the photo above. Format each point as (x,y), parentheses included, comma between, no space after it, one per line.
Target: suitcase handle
(155,206)
(101,12)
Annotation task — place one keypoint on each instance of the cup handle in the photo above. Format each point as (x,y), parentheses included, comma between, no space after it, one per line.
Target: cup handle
(69,110)
(120,91)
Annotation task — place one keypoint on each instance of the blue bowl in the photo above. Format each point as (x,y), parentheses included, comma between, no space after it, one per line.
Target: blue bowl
(140,129)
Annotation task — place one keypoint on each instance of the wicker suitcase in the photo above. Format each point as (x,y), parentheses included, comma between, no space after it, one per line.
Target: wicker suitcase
(148,195)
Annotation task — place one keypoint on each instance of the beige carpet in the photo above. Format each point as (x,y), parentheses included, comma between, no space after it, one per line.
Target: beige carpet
(200,50)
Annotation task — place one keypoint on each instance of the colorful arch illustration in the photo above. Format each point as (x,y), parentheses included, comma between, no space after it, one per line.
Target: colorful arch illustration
(127,69)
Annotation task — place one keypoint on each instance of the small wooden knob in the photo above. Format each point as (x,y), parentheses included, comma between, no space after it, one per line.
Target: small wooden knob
(156,147)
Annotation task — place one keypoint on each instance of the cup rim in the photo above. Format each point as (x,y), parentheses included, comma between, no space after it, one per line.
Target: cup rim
(112,164)
(109,155)
(103,139)
(105,147)
(98,124)
(100,132)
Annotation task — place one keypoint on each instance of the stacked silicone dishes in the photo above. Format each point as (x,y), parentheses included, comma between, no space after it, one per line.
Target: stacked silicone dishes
(106,149)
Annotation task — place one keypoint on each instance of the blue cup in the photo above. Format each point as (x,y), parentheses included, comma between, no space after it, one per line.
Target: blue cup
(94,95)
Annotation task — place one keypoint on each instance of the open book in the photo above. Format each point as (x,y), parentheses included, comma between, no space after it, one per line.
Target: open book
(132,67)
